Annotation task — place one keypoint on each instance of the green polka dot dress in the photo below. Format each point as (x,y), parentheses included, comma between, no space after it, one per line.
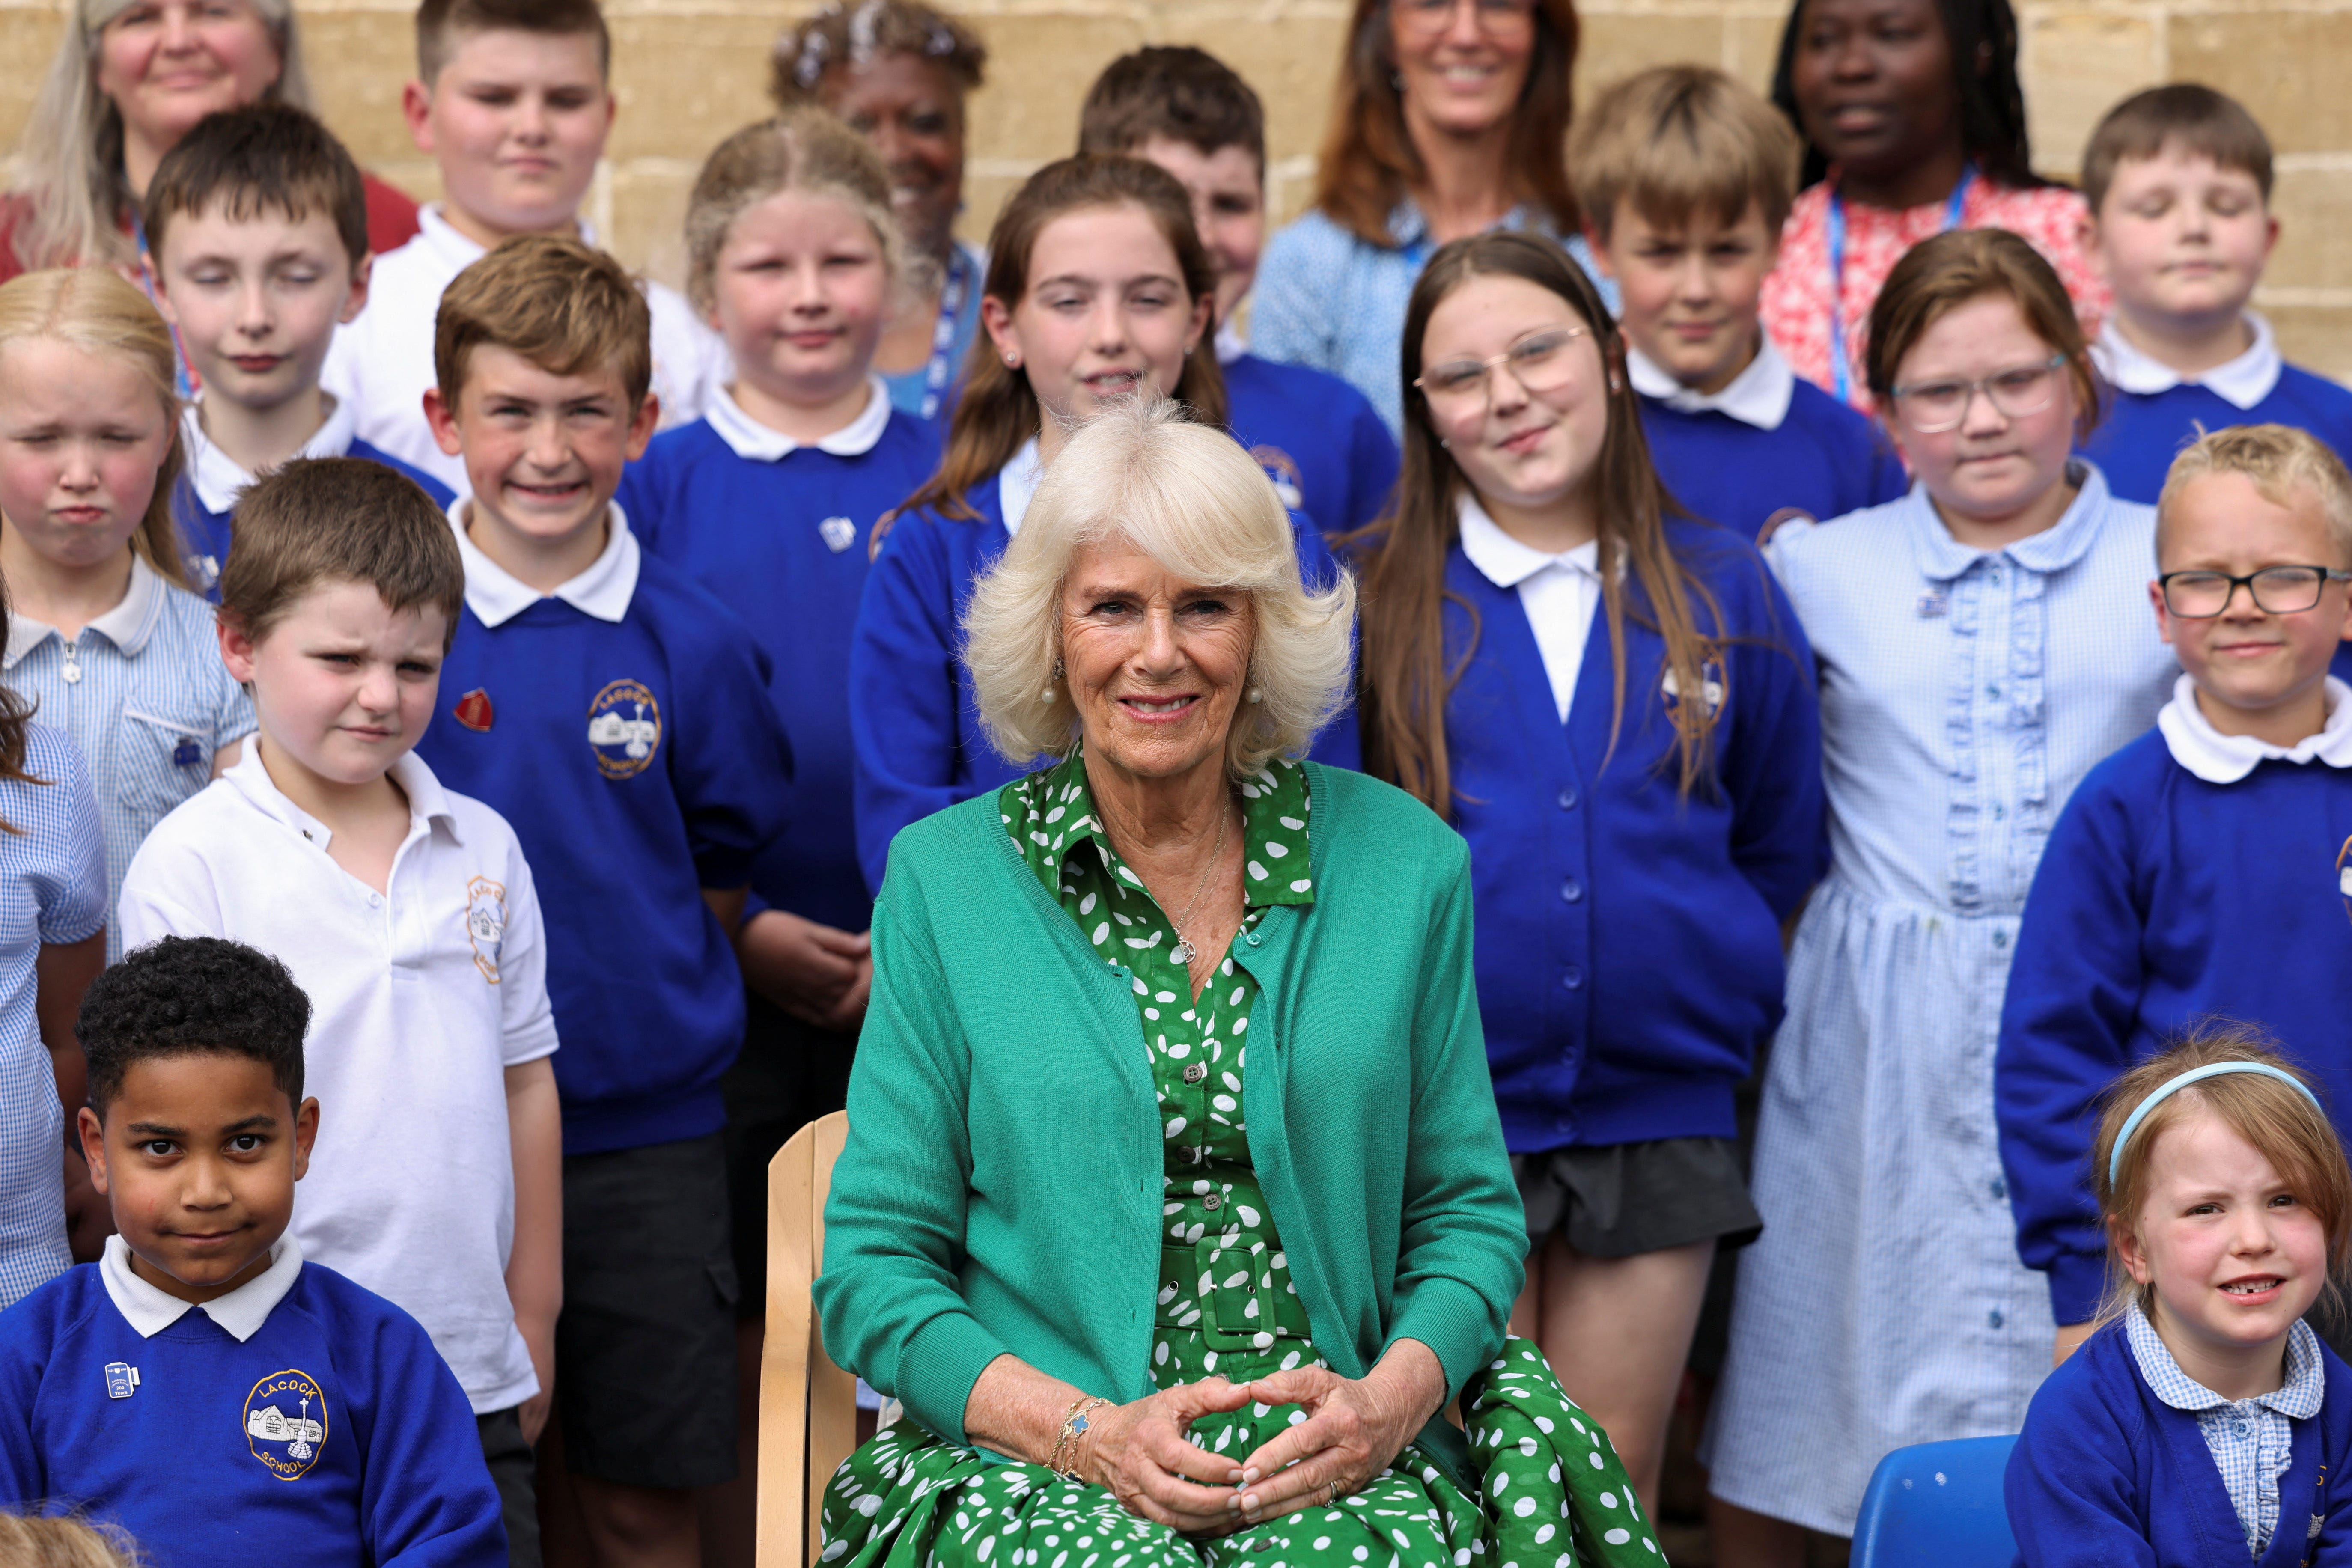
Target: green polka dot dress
(1552,1493)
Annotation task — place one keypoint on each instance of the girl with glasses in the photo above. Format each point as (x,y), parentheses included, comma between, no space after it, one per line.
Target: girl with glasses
(1615,704)
(1981,644)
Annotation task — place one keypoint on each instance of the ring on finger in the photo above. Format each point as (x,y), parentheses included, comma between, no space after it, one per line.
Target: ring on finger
(1332,1495)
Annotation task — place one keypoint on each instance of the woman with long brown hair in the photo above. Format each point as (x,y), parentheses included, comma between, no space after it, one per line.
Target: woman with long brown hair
(1451,118)
(1098,289)
(1613,703)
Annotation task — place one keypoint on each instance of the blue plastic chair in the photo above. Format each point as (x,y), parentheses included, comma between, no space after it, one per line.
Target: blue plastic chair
(1938,1505)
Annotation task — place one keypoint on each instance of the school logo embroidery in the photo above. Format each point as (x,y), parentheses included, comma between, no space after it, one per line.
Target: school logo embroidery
(486,923)
(1711,677)
(474,709)
(1284,473)
(839,534)
(625,726)
(286,1423)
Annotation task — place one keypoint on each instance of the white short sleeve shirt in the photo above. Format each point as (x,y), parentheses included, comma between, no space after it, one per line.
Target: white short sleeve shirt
(420,999)
(1558,594)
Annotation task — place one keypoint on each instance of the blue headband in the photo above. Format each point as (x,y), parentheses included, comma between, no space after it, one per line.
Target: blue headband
(2140,1112)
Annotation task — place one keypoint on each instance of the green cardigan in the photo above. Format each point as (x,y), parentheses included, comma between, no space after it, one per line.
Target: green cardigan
(999,1191)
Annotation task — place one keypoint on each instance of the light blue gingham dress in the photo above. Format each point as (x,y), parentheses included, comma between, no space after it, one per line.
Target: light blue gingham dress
(1964,695)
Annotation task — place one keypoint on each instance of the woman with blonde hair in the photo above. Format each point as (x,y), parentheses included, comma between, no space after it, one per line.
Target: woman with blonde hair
(129,80)
(1174,1209)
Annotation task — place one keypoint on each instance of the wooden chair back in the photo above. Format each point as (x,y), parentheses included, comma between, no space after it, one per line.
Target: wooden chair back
(808,1406)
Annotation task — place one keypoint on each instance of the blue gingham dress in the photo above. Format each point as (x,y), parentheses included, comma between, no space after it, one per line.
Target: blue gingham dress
(52,890)
(1964,695)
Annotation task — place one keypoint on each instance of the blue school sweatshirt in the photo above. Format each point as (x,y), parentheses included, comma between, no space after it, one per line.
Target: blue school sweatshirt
(1329,455)
(783,542)
(627,733)
(205,1460)
(2106,1475)
(2163,899)
(914,721)
(1628,948)
(1823,461)
(204,533)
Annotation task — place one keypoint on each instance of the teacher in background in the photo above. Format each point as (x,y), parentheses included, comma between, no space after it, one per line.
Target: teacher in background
(1451,118)
(129,80)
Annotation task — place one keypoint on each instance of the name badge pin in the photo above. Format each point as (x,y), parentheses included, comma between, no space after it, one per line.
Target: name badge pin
(122,1377)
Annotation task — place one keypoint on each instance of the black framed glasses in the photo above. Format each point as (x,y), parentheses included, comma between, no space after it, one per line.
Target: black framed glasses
(2276,590)
(1932,407)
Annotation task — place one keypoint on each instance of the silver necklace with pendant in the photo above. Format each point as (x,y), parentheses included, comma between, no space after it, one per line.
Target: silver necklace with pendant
(1183,949)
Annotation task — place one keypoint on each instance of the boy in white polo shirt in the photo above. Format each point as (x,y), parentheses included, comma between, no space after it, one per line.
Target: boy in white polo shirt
(408,914)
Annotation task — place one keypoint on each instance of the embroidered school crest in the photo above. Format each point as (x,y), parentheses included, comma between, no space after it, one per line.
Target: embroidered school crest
(839,534)
(625,727)
(286,1423)
(1284,473)
(486,923)
(474,709)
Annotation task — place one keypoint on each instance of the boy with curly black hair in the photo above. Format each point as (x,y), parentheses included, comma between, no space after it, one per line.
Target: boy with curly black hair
(202,1356)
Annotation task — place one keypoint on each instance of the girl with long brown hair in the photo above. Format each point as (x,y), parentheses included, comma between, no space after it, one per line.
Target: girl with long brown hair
(1098,289)
(1613,703)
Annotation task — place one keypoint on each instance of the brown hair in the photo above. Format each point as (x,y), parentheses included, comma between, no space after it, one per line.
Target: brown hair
(265,157)
(1946,272)
(92,308)
(439,23)
(70,1543)
(997,411)
(1369,162)
(1176,91)
(315,521)
(801,149)
(2294,1135)
(840,35)
(2278,459)
(2194,118)
(566,307)
(15,713)
(1680,140)
(1406,676)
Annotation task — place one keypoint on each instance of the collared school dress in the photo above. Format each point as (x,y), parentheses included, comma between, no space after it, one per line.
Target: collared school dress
(2195,875)
(2126,1459)
(1964,695)
(1316,437)
(914,723)
(1767,448)
(2156,412)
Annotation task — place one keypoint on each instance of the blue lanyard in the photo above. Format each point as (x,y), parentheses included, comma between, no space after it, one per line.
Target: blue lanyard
(1839,372)
(944,335)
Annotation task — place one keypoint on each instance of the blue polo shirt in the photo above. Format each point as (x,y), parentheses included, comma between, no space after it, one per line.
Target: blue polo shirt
(623,725)
(779,533)
(1329,455)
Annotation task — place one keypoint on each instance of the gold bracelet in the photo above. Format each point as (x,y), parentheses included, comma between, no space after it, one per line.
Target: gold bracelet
(1074,1428)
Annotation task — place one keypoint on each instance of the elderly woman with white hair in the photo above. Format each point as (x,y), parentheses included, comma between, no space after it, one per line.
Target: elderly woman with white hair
(1174,1208)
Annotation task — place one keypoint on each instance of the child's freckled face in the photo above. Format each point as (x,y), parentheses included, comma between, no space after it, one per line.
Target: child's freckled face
(198,1156)
(343,684)
(256,300)
(517,122)
(82,435)
(1690,291)
(2182,239)
(2247,658)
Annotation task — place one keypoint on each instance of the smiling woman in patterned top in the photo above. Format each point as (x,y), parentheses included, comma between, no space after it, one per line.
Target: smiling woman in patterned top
(1175,1208)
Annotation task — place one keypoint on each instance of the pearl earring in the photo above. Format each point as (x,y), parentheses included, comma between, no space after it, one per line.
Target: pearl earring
(1048,696)
(1012,362)
(1258,694)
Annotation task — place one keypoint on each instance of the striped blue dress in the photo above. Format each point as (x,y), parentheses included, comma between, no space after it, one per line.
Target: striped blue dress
(1964,694)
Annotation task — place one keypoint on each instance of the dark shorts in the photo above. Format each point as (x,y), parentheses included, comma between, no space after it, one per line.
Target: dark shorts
(1627,1198)
(644,1352)
(514,1474)
(790,1074)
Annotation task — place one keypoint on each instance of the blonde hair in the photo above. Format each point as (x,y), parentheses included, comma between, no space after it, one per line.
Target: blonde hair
(1681,139)
(2279,459)
(1188,496)
(67,1543)
(69,157)
(92,309)
(2283,1125)
(802,148)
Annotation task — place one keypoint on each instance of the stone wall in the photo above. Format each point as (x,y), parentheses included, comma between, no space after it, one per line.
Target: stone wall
(689,71)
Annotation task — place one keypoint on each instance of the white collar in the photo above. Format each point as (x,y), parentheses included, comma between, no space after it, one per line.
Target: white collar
(427,802)
(2222,759)
(497,597)
(462,251)
(757,443)
(1017,483)
(242,1311)
(2242,382)
(127,626)
(1758,395)
(1506,562)
(218,478)
(1230,343)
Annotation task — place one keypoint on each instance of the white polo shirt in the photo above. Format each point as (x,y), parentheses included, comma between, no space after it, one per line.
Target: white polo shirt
(419,1001)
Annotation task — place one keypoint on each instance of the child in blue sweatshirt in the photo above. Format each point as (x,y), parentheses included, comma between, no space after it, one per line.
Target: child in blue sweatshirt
(256,229)
(1319,439)
(619,716)
(2179,182)
(2203,1421)
(203,1387)
(1098,289)
(2204,869)
(1686,178)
